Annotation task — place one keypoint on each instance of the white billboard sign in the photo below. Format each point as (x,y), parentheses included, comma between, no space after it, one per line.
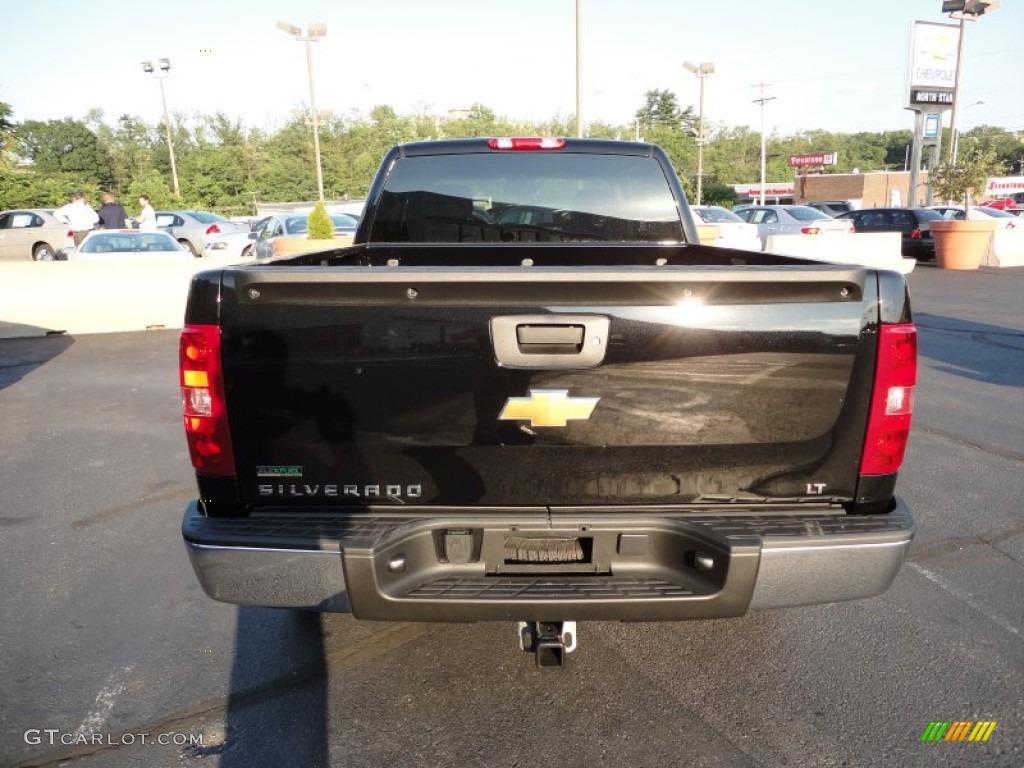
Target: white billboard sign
(931,65)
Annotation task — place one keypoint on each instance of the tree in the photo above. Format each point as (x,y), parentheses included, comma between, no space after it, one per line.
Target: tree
(65,146)
(662,108)
(131,153)
(6,136)
(958,179)
(319,224)
(717,193)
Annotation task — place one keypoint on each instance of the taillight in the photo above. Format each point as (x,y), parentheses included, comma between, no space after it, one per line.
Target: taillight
(213,229)
(892,400)
(526,143)
(71,234)
(810,230)
(202,394)
(915,234)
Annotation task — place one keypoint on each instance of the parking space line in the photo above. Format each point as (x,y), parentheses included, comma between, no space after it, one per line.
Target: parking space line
(965,597)
(104,703)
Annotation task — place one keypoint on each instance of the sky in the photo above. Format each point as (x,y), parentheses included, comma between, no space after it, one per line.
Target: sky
(835,66)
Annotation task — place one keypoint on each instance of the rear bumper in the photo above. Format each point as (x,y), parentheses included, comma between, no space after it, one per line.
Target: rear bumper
(636,566)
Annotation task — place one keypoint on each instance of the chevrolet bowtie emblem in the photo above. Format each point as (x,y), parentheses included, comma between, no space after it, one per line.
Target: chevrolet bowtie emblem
(548,408)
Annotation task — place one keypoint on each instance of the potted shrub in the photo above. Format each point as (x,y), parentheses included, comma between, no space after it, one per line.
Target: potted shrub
(320,235)
(962,244)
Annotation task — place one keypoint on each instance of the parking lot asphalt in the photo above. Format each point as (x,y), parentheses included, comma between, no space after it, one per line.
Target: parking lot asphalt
(106,637)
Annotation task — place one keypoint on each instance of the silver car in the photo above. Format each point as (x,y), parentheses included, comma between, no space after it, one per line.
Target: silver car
(191,228)
(790,220)
(33,234)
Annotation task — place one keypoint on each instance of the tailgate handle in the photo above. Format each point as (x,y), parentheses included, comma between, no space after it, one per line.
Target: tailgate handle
(568,338)
(549,341)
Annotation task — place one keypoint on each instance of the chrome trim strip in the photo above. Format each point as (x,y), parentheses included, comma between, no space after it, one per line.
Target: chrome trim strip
(816,574)
(278,578)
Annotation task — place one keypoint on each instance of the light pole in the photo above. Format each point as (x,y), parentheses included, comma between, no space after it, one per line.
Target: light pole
(164,65)
(313,33)
(954,139)
(701,71)
(762,99)
(964,10)
(579,68)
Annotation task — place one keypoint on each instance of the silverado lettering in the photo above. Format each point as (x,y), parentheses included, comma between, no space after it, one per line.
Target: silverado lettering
(334,490)
(592,416)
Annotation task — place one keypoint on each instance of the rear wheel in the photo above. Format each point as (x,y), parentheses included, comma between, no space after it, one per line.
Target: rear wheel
(43,252)
(192,248)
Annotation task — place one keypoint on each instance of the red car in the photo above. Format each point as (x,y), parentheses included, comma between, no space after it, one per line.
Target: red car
(1008,203)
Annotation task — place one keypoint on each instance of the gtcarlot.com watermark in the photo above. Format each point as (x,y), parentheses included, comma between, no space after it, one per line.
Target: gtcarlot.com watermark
(55,737)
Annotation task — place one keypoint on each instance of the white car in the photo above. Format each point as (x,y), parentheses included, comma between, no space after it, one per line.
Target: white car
(791,220)
(105,244)
(234,245)
(733,232)
(1003,219)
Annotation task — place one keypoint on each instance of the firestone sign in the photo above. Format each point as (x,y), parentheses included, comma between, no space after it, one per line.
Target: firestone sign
(821,158)
(931,64)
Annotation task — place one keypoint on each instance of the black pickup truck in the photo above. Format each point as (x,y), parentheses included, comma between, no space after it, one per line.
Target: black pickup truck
(527,393)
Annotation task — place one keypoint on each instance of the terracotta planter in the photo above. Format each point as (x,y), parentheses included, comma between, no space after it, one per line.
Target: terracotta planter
(961,244)
(707,233)
(292,246)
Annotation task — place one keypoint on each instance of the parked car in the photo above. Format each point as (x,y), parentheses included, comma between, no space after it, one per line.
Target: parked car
(1004,219)
(733,232)
(1000,203)
(912,224)
(191,228)
(1010,202)
(832,207)
(33,234)
(290,226)
(790,220)
(104,244)
(233,245)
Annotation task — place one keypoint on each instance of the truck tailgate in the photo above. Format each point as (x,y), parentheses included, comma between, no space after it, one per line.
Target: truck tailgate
(547,387)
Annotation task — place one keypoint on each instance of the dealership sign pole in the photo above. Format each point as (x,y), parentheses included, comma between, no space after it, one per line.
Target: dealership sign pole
(931,88)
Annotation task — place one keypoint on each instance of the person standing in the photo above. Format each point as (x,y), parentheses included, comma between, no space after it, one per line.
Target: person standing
(147,217)
(79,216)
(112,214)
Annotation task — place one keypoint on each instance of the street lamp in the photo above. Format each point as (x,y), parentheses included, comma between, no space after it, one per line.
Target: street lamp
(701,71)
(313,33)
(164,67)
(962,10)
(954,138)
(579,68)
(762,100)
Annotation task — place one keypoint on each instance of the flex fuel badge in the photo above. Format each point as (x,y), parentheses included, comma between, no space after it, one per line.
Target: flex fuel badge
(278,471)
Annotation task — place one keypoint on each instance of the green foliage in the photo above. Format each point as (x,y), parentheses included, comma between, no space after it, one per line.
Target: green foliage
(65,146)
(152,184)
(957,180)
(319,223)
(6,136)
(662,108)
(227,167)
(716,193)
(30,189)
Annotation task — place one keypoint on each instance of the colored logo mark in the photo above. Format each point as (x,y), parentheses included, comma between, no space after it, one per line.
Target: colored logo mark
(958,730)
(548,408)
(263,470)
